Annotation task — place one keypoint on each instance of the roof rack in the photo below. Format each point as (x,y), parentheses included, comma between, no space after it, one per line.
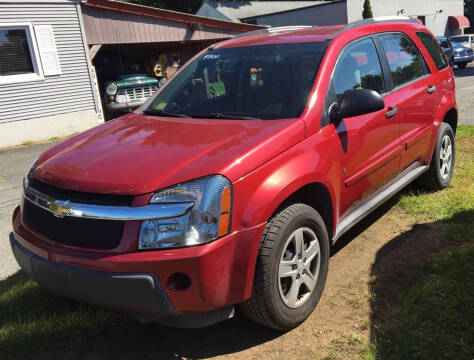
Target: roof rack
(270,30)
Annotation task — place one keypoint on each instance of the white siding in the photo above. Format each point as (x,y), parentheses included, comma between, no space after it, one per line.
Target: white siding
(57,94)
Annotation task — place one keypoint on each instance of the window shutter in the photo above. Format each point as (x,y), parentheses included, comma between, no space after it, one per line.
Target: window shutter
(47,49)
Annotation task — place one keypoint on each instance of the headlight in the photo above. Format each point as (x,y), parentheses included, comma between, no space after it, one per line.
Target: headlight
(208,219)
(111,89)
(27,177)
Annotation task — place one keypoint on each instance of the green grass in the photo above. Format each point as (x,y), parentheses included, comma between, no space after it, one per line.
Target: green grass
(435,318)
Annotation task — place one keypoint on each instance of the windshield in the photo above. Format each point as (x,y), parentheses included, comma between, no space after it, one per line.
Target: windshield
(253,82)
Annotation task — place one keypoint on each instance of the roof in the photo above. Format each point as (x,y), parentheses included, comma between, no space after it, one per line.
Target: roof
(238,10)
(157,13)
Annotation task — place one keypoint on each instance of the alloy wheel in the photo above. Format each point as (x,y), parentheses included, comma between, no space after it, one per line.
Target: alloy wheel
(299,266)
(445,157)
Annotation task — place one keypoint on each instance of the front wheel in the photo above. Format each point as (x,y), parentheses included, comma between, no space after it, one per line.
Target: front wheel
(291,268)
(462,65)
(441,167)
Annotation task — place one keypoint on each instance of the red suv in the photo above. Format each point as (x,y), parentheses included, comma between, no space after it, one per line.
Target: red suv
(230,185)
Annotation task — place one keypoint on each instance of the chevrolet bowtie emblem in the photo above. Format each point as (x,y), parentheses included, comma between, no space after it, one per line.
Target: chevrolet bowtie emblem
(58,209)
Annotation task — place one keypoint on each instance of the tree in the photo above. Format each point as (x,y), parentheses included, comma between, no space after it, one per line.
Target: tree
(367,13)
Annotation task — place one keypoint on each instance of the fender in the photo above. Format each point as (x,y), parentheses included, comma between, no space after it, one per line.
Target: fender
(263,190)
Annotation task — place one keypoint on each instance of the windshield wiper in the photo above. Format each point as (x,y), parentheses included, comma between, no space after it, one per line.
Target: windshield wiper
(217,115)
(154,112)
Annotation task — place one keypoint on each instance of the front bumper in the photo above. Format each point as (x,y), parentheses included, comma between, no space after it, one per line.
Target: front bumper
(220,273)
(138,295)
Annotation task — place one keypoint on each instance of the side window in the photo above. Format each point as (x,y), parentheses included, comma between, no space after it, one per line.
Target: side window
(434,50)
(403,58)
(358,67)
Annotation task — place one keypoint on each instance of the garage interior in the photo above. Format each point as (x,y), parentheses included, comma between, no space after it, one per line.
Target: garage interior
(127,39)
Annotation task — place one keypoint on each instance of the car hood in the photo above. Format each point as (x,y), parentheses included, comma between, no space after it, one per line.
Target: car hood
(133,80)
(137,154)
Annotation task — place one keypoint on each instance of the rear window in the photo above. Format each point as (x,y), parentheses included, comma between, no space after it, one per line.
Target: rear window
(435,52)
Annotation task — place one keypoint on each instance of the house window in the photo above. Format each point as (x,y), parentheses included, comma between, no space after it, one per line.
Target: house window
(27,53)
(15,56)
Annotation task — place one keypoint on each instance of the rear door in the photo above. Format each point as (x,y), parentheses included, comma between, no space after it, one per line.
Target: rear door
(414,91)
(370,148)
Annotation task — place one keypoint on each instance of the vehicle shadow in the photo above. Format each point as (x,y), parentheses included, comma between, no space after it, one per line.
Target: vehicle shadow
(400,264)
(467,71)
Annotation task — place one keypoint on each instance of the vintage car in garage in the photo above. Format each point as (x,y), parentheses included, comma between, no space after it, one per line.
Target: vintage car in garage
(128,92)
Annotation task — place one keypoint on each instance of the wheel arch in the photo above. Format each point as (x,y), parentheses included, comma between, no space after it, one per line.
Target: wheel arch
(451,117)
(316,195)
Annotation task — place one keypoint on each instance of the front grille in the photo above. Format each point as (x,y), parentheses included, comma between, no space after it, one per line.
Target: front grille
(135,94)
(90,233)
(80,232)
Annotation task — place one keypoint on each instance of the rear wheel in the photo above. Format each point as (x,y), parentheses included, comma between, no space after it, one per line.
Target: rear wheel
(291,268)
(441,168)
(462,65)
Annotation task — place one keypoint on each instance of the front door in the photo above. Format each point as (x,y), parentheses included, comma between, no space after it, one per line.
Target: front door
(370,144)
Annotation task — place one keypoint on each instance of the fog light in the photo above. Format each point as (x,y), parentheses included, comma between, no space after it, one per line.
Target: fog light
(178,282)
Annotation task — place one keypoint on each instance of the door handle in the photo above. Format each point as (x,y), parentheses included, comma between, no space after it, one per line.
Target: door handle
(391,112)
(431,89)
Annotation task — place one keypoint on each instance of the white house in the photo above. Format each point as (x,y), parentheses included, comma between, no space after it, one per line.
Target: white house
(46,84)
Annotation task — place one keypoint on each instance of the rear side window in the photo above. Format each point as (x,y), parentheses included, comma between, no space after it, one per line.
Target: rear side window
(434,50)
(358,68)
(403,58)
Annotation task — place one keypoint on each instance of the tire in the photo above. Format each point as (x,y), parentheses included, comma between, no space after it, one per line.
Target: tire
(462,65)
(440,171)
(271,303)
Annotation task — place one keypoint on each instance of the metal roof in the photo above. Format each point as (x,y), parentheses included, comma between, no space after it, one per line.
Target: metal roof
(237,10)
(162,14)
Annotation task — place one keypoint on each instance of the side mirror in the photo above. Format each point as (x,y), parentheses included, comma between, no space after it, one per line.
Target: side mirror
(355,102)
